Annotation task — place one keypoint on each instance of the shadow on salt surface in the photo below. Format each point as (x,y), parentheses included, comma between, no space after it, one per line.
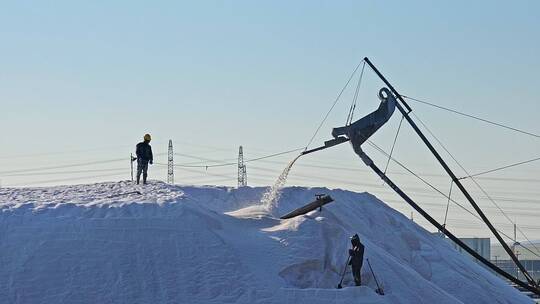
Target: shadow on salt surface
(252,212)
(361,294)
(303,275)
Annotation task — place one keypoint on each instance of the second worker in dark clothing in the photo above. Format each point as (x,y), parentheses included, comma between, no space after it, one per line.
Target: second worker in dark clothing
(144,156)
(357,258)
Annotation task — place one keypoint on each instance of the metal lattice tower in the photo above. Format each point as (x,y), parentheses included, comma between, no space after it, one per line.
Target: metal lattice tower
(170,164)
(242,174)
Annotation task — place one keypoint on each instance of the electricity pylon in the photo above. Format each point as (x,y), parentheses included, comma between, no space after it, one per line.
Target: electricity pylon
(170,164)
(242,174)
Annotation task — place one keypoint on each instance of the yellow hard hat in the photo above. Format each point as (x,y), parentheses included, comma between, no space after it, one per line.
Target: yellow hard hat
(147,137)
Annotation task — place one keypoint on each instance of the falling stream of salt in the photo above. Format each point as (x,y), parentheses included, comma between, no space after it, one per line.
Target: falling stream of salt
(270,197)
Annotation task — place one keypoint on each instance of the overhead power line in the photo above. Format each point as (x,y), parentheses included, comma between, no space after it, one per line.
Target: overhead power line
(231,163)
(73,178)
(65,172)
(339,168)
(330,166)
(64,166)
(46,154)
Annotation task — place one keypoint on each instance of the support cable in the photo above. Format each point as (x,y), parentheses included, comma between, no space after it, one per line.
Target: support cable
(474,180)
(501,168)
(462,168)
(532,285)
(394,144)
(380,150)
(450,173)
(333,105)
(448,203)
(473,117)
(355,98)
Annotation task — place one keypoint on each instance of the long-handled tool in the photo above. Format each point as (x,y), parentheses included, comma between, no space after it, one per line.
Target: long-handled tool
(343,273)
(132,159)
(379,290)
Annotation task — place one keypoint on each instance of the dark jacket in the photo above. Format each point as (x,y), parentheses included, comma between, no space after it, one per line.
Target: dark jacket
(144,152)
(357,256)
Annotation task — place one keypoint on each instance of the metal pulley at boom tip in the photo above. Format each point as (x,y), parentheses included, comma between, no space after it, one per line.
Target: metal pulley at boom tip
(363,128)
(359,131)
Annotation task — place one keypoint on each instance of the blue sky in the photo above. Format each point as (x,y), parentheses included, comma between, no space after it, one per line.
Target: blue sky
(83,81)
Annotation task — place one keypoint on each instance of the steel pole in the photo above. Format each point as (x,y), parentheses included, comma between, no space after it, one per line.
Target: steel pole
(451,174)
(131,164)
(434,222)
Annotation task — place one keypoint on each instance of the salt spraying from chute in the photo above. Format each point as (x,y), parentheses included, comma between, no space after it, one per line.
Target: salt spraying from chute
(271,196)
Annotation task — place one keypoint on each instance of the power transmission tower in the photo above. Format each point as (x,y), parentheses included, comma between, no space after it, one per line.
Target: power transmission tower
(170,164)
(242,174)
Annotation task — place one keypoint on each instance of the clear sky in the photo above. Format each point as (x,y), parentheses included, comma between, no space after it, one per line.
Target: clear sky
(83,81)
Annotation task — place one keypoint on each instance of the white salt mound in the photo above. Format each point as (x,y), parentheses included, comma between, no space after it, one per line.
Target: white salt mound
(175,244)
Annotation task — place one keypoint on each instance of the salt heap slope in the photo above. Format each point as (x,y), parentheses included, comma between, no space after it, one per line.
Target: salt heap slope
(102,243)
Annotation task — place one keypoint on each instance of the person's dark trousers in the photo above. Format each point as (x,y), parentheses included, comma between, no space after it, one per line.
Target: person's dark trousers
(356,275)
(142,167)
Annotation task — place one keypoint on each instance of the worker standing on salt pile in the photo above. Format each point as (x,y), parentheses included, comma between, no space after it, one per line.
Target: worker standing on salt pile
(357,258)
(144,156)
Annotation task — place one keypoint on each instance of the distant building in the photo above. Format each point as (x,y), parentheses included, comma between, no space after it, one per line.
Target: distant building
(482,246)
(532,267)
(529,258)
